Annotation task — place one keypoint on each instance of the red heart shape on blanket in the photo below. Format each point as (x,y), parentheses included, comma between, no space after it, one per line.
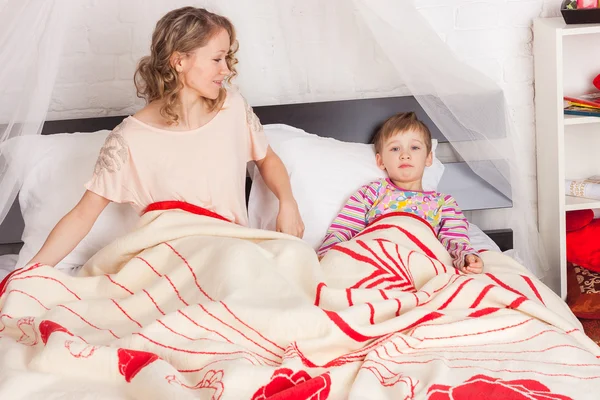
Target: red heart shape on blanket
(481,386)
(285,384)
(133,361)
(48,327)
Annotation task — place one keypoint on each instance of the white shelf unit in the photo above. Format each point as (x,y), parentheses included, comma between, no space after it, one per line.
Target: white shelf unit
(579,203)
(576,120)
(567,58)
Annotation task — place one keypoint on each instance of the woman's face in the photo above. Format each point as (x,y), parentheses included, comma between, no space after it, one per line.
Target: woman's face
(204,69)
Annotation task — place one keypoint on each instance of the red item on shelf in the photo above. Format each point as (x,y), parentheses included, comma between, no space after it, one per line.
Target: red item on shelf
(583,246)
(587,4)
(578,219)
(597,82)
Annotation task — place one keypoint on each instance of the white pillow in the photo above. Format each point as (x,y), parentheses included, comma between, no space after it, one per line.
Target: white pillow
(54,169)
(324,173)
(480,241)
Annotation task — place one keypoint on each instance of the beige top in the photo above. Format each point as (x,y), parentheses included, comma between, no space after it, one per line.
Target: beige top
(141,164)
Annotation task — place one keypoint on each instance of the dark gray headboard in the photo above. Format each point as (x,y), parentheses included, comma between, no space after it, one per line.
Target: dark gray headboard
(347,120)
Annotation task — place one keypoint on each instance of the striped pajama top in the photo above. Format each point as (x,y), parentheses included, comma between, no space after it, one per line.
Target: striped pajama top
(382,197)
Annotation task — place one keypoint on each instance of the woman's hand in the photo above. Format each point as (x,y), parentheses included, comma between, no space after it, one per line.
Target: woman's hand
(277,180)
(289,220)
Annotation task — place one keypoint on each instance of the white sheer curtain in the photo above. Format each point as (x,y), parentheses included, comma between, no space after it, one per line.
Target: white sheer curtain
(31,40)
(365,45)
(316,50)
(468,107)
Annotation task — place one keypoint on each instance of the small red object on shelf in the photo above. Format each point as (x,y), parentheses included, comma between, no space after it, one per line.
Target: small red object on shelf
(597,82)
(587,4)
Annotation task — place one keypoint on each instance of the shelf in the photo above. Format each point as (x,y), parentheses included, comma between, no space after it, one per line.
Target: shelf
(583,29)
(566,58)
(580,203)
(578,120)
(569,30)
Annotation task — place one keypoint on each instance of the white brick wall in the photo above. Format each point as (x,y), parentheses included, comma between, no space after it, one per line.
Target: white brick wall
(109,36)
(479,15)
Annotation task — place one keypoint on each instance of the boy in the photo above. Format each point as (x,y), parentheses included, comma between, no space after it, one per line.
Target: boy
(403,147)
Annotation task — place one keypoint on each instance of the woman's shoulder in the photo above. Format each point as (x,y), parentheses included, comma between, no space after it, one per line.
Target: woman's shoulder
(126,129)
(149,115)
(237,103)
(233,93)
(235,100)
(122,129)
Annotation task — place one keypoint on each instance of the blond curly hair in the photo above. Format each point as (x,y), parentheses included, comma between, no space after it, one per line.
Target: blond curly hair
(182,30)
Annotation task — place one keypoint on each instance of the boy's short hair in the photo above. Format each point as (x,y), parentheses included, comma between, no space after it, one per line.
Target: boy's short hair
(399,123)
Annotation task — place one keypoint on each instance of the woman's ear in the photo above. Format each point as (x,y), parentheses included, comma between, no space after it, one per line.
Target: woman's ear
(379,161)
(176,61)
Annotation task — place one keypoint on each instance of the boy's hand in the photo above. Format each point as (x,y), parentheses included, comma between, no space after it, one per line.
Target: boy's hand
(473,264)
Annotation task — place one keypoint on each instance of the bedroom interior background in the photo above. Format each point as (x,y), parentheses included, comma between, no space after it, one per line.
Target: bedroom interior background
(366,49)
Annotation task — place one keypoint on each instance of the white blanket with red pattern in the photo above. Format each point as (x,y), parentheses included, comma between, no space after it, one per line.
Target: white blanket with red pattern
(190,307)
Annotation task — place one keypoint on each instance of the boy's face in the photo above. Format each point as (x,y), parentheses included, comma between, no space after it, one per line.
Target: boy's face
(404,157)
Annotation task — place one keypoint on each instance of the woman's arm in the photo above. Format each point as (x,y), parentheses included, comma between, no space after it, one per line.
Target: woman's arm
(276,178)
(71,229)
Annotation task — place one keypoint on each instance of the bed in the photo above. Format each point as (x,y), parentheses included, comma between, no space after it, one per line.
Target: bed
(349,121)
(188,306)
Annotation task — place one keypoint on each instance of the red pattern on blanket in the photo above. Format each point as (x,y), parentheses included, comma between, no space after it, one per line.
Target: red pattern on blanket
(210,309)
(485,387)
(290,385)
